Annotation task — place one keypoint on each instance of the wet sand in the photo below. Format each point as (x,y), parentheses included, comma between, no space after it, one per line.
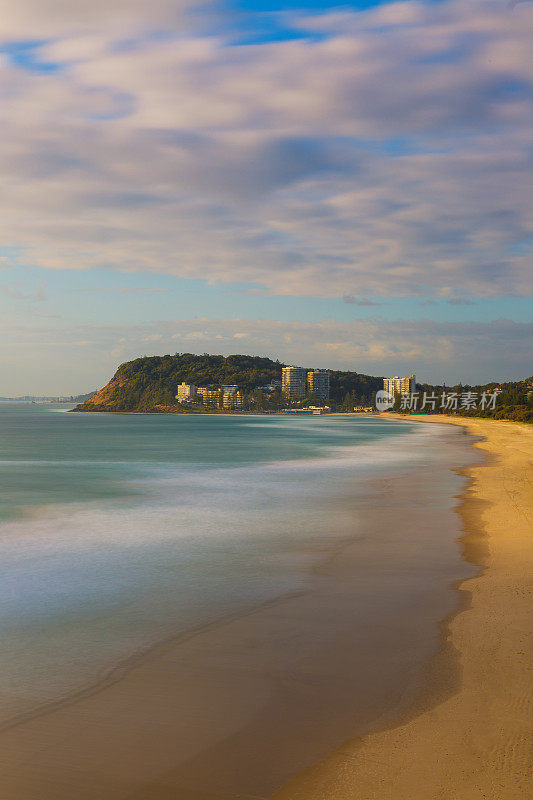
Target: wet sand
(235,708)
(469,739)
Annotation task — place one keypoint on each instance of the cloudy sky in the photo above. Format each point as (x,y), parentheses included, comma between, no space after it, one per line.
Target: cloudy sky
(334,185)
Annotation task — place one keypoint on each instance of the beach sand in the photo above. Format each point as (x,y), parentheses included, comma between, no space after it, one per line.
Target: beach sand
(471,741)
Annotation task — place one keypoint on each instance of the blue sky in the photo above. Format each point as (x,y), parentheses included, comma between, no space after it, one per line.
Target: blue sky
(334,185)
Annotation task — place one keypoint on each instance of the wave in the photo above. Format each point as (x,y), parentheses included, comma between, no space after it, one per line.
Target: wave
(81,582)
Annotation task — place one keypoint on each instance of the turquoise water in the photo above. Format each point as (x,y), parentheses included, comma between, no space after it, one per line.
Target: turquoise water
(116,531)
(47,455)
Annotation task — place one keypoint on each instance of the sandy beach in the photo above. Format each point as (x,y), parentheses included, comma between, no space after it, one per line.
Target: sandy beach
(470,741)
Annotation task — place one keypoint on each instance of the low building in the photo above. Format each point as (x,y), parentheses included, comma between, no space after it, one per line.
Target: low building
(186,392)
(228,397)
(399,385)
(318,383)
(232,398)
(269,387)
(319,409)
(211,396)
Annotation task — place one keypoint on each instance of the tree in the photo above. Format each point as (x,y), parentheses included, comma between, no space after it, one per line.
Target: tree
(260,400)
(347,404)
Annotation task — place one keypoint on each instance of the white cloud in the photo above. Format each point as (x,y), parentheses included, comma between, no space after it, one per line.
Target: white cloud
(389,155)
(27,19)
(471,352)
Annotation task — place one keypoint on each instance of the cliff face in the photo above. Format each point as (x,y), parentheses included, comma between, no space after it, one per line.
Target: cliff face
(105,399)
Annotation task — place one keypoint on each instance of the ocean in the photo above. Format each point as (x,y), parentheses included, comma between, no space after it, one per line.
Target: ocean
(120,532)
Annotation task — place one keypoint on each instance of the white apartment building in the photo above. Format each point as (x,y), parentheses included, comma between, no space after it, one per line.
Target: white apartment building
(318,383)
(210,396)
(399,385)
(228,397)
(294,382)
(186,391)
(232,398)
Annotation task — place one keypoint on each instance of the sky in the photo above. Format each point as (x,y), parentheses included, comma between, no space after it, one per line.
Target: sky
(333,185)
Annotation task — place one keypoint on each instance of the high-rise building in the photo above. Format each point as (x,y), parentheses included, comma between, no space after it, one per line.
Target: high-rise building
(399,385)
(318,383)
(294,382)
(186,391)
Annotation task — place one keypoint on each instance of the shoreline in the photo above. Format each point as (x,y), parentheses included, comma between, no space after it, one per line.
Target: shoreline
(466,735)
(287,677)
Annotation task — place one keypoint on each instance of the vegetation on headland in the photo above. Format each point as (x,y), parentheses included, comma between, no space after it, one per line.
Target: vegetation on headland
(514,400)
(149,384)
